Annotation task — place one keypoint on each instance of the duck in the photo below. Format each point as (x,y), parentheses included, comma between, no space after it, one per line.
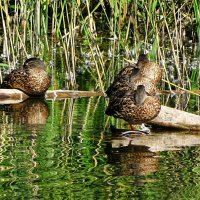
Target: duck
(135,107)
(143,72)
(32,78)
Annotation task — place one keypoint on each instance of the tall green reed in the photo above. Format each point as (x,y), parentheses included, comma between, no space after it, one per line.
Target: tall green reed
(34,28)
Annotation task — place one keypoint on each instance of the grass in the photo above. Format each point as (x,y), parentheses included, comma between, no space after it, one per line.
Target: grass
(98,35)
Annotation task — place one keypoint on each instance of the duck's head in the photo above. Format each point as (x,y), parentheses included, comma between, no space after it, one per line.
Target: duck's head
(143,58)
(134,75)
(140,94)
(34,63)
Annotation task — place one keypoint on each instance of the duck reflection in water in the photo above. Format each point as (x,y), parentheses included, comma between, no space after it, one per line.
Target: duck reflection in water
(132,160)
(32,112)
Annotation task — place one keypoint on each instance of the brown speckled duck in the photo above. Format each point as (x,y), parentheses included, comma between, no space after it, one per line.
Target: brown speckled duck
(135,107)
(133,94)
(32,78)
(143,73)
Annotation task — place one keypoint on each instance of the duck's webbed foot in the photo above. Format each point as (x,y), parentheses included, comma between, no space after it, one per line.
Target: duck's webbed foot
(143,130)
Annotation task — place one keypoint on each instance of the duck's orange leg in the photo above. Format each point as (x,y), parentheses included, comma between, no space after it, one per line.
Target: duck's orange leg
(133,127)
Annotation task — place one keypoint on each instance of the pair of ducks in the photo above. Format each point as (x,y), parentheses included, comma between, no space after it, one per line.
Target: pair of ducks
(133,94)
(32,78)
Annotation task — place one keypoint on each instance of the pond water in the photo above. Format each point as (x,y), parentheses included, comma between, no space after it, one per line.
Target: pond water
(65,150)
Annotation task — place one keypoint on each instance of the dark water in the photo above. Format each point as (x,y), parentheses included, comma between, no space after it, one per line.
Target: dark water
(65,150)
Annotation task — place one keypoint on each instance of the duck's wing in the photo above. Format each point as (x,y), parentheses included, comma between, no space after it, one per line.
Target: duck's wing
(113,107)
(13,80)
(123,79)
(120,107)
(150,70)
(149,85)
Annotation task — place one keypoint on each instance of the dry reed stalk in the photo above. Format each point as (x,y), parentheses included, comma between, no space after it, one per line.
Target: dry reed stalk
(176,59)
(37,17)
(181,88)
(4,9)
(45,32)
(72,31)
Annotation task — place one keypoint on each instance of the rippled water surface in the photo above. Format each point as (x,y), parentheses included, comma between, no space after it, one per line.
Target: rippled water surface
(65,150)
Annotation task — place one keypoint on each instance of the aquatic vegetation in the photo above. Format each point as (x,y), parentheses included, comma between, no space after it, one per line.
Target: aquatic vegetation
(107,31)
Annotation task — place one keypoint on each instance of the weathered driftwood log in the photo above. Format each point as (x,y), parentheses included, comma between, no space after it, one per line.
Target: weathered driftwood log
(168,117)
(62,94)
(174,118)
(10,96)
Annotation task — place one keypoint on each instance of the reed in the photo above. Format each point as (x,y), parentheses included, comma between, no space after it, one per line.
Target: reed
(102,33)
(197,17)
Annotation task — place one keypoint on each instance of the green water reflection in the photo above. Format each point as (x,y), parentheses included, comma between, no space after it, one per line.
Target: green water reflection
(65,150)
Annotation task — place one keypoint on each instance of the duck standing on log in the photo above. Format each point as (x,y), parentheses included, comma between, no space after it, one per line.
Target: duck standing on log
(32,78)
(133,94)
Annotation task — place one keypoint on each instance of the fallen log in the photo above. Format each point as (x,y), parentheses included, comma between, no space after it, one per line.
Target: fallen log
(168,117)
(11,96)
(174,118)
(62,94)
